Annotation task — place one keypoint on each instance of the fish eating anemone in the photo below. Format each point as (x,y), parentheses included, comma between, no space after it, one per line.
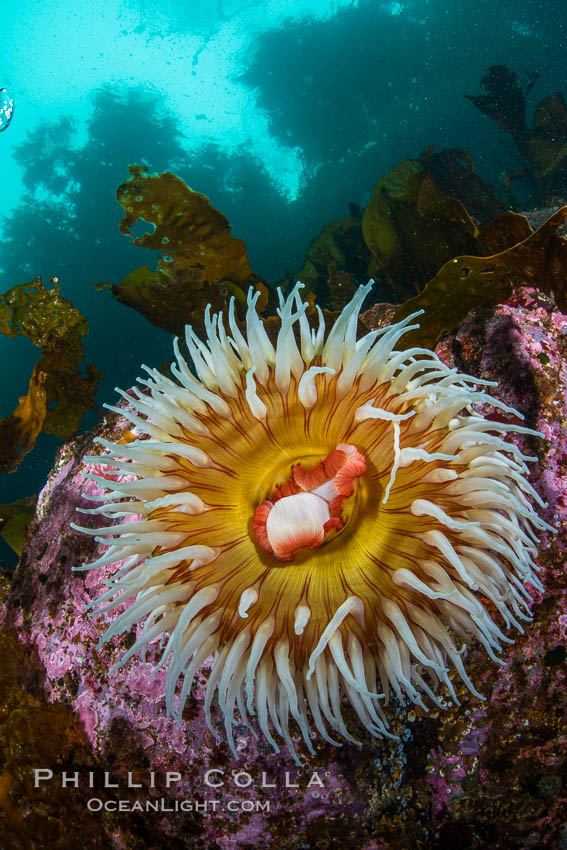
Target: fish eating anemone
(331,519)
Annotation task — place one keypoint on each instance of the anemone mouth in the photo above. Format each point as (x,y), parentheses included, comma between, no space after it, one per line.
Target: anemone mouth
(316,517)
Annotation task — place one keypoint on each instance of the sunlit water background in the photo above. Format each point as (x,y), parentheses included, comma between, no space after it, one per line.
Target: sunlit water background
(281,111)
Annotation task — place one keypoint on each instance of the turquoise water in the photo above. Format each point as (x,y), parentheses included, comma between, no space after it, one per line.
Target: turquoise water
(281,112)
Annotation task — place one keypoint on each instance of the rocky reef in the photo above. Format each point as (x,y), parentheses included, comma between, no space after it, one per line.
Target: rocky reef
(118,773)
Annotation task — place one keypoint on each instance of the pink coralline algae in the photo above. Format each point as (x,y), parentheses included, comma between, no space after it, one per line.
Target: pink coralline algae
(483,774)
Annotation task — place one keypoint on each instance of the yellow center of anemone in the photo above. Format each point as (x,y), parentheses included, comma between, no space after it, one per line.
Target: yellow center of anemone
(251,458)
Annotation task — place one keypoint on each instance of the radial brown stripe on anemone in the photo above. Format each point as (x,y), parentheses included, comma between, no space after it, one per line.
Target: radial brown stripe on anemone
(316,516)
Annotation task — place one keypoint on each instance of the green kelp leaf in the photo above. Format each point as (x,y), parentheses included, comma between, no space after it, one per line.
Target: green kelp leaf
(172,299)
(454,172)
(338,248)
(58,394)
(43,316)
(14,521)
(412,228)
(19,430)
(187,227)
(503,100)
(503,232)
(542,147)
(465,283)
(200,262)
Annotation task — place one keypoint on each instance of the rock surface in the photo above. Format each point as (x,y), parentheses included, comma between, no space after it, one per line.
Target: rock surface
(481,775)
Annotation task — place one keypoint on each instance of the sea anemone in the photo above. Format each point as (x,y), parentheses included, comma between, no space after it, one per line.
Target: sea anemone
(328,518)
